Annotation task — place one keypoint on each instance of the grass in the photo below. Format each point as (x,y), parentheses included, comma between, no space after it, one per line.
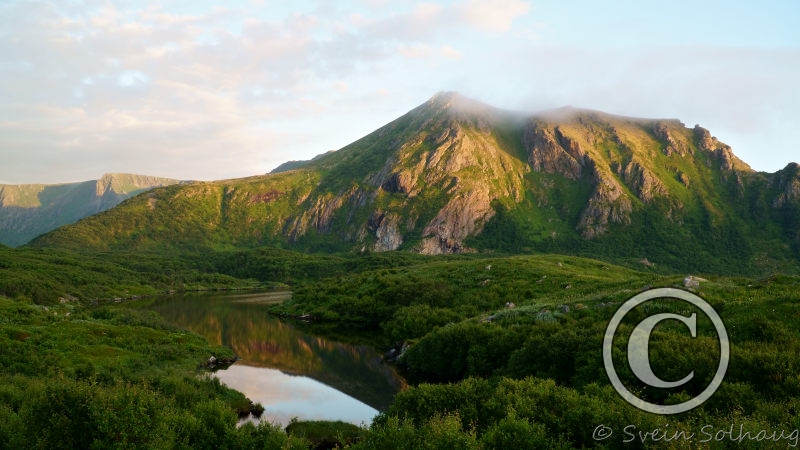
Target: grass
(450,309)
(325,434)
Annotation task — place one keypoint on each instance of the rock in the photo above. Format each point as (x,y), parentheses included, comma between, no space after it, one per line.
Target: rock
(67,299)
(608,204)
(671,145)
(692,282)
(721,152)
(684,179)
(266,197)
(463,216)
(563,309)
(395,352)
(551,151)
(510,305)
(403,349)
(788,185)
(646,185)
(729,161)
(319,216)
(214,363)
(703,138)
(400,182)
(387,233)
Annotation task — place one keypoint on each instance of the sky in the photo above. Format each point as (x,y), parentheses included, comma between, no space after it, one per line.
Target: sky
(199,90)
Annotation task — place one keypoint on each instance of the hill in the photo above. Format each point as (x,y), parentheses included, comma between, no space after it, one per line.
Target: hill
(455,175)
(28,210)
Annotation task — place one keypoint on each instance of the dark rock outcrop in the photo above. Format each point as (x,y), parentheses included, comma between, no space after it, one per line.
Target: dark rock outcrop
(553,152)
(608,204)
(672,146)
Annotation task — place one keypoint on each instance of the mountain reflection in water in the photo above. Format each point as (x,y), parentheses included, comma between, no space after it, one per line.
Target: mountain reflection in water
(290,372)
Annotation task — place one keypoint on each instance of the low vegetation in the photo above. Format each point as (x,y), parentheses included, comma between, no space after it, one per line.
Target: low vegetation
(502,352)
(507,352)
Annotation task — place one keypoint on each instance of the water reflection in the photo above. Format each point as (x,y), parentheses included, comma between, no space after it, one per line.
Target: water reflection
(291,373)
(286,396)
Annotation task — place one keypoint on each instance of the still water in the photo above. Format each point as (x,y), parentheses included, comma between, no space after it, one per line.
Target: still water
(290,372)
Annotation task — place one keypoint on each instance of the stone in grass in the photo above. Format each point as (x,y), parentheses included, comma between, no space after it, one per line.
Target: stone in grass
(692,282)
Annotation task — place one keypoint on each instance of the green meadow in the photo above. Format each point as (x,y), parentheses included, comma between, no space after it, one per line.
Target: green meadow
(79,369)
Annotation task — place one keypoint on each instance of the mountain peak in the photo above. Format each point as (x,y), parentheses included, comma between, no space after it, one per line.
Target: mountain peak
(453,106)
(455,103)
(446,97)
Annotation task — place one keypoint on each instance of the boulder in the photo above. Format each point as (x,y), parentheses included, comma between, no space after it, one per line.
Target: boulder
(692,282)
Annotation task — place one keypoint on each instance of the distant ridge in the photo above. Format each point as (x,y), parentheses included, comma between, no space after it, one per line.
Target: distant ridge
(28,210)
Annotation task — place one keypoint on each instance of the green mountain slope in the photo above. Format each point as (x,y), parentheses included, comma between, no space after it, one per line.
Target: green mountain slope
(455,175)
(28,210)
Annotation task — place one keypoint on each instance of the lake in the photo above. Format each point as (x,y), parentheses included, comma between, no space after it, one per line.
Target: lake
(290,371)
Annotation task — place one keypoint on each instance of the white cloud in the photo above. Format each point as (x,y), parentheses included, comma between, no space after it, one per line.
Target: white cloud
(450,53)
(223,93)
(426,11)
(416,51)
(494,15)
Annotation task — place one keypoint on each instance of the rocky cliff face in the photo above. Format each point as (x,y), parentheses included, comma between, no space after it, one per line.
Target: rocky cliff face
(671,144)
(553,152)
(787,182)
(608,204)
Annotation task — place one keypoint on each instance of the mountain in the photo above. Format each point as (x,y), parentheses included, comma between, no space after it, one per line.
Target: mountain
(455,175)
(296,164)
(28,210)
